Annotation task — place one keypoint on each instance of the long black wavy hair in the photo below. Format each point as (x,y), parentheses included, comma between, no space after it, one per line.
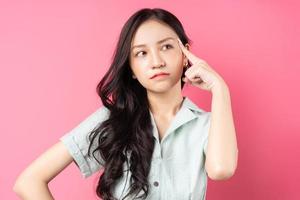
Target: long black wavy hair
(128,128)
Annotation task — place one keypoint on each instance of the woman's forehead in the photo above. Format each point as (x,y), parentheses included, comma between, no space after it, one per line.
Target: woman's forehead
(152,32)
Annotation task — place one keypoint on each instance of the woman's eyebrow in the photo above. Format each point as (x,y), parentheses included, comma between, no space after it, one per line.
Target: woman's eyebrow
(160,41)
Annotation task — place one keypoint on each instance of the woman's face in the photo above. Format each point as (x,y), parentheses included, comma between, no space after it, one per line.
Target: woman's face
(154,49)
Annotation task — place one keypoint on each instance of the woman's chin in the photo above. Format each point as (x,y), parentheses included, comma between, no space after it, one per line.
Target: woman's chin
(162,88)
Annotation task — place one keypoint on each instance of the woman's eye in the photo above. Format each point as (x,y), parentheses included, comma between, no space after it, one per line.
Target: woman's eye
(168,46)
(140,53)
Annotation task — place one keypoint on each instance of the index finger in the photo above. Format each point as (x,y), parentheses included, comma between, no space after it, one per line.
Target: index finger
(188,54)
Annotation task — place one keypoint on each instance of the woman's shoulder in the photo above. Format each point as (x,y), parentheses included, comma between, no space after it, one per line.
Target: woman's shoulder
(188,103)
(101,112)
(89,122)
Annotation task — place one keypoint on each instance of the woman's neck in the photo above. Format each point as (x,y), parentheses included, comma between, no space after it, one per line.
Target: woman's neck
(166,104)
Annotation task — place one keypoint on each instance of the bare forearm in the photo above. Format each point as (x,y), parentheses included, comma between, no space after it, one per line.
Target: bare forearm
(222,151)
(34,191)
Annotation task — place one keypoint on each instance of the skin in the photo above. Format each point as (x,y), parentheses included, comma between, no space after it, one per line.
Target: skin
(165,96)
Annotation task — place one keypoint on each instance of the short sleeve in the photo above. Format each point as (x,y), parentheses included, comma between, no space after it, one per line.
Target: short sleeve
(77,143)
(206,131)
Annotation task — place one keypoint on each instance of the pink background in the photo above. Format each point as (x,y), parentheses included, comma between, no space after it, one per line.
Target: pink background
(53,53)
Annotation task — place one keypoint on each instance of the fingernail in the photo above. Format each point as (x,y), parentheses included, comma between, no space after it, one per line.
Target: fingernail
(179,40)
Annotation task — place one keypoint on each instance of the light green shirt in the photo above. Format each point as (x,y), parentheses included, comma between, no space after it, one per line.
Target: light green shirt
(177,167)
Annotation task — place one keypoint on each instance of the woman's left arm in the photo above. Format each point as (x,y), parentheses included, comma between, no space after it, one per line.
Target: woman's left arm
(222,151)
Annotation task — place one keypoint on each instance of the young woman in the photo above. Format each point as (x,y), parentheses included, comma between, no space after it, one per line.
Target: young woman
(152,142)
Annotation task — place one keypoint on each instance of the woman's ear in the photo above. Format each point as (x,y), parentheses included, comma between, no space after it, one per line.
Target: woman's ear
(187,46)
(185,58)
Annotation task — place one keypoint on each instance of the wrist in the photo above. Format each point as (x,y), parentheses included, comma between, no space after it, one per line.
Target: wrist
(220,88)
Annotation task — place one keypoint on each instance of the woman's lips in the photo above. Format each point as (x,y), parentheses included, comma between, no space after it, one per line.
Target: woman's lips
(159,75)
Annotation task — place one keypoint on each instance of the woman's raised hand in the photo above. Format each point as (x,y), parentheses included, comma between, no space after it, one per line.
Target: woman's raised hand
(200,74)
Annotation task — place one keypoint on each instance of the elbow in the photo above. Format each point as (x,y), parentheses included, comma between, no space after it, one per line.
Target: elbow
(220,173)
(17,188)
(19,185)
(24,184)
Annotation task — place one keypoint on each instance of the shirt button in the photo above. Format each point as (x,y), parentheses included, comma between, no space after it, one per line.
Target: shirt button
(155,183)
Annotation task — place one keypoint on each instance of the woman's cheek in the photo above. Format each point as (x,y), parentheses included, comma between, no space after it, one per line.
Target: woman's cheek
(175,58)
(142,68)
(144,64)
(175,53)
(137,63)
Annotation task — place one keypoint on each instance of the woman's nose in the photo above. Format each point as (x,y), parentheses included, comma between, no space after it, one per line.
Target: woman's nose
(157,61)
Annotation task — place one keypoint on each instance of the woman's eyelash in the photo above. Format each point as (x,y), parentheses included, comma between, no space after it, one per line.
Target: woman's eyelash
(167,45)
(138,53)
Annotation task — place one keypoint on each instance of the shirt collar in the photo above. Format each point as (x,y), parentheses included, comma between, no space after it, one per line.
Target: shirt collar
(191,105)
(185,114)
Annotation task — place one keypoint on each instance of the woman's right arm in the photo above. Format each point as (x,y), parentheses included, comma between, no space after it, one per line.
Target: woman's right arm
(32,183)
